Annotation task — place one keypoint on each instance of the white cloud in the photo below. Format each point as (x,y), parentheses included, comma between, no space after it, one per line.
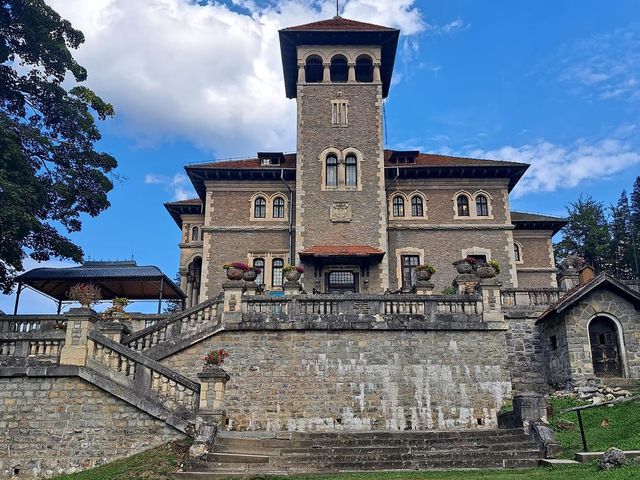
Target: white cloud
(556,166)
(206,73)
(451,27)
(179,184)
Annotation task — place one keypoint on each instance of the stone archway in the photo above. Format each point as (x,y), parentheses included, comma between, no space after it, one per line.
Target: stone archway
(606,352)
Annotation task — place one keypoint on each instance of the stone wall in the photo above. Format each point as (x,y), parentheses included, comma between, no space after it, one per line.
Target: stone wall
(50,426)
(359,380)
(536,268)
(556,355)
(525,351)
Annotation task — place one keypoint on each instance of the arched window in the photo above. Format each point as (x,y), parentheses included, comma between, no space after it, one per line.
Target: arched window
(313,69)
(364,69)
(278,207)
(259,263)
(339,69)
(276,272)
(517,253)
(195,234)
(351,171)
(332,171)
(398,206)
(260,208)
(482,206)
(463,206)
(417,208)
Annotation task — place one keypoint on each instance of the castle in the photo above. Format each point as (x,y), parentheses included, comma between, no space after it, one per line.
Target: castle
(363,341)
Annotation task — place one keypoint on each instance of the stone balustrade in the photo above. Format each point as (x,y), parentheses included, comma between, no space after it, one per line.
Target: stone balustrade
(515,297)
(29,323)
(186,321)
(22,349)
(139,373)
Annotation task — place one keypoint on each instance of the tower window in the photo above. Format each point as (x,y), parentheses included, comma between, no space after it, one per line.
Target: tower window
(260,208)
(276,277)
(313,70)
(332,171)
(339,113)
(398,206)
(517,253)
(195,234)
(482,206)
(278,207)
(364,69)
(463,206)
(351,171)
(417,207)
(339,69)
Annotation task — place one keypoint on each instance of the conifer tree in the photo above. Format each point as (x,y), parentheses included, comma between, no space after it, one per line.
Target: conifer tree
(622,251)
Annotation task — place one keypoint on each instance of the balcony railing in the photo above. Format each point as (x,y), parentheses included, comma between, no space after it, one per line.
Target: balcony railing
(514,297)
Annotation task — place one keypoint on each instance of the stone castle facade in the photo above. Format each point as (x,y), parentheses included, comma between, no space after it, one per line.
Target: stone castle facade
(360,344)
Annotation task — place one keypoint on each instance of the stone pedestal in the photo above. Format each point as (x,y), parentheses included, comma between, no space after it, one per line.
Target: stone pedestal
(292,288)
(466,283)
(113,330)
(211,411)
(529,407)
(232,295)
(491,302)
(568,279)
(79,322)
(250,288)
(424,287)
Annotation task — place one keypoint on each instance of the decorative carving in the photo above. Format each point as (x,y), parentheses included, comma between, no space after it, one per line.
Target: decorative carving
(340,212)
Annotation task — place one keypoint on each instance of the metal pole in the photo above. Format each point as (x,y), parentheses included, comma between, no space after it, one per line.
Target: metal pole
(160,298)
(59,306)
(15,307)
(584,439)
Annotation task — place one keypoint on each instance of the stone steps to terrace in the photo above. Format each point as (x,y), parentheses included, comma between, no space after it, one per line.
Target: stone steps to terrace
(243,456)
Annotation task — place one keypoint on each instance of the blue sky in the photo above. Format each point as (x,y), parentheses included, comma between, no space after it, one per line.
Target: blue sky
(552,83)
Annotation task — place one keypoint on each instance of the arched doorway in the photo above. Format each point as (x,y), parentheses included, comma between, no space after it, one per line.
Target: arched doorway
(605,347)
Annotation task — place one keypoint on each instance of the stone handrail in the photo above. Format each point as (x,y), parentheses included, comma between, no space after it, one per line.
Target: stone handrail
(26,348)
(180,322)
(133,370)
(29,323)
(364,304)
(512,297)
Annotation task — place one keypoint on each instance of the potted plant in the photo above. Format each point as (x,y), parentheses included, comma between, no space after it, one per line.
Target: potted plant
(236,270)
(489,269)
(293,272)
(86,294)
(116,311)
(251,274)
(465,265)
(424,272)
(215,358)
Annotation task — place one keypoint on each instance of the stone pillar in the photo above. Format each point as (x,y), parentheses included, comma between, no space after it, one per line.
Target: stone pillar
(113,330)
(79,322)
(466,283)
(529,407)
(211,410)
(424,287)
(376,72)
(251,288)
(568,279)
(326,73)
(352,73)
(292,288)
(190,294)
(302,74)
(233,295)
(491,301)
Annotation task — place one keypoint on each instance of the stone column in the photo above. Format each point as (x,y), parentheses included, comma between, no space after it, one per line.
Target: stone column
(352,73)
(466,283)
(424,287)
(79,322)
(292,288)
(211,411)
(250,288)
(302,74)
(233,295)
(326,73)
(491,301)
(113,330)
(376,72)
(568,279)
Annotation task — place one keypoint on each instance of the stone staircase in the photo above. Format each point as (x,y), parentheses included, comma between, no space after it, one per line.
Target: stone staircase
(243,456)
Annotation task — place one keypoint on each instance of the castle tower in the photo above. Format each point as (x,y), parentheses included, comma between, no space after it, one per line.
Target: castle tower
(339,71)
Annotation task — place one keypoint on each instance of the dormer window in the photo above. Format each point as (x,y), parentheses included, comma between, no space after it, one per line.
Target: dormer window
(265,161)
(404,158)
(270,158)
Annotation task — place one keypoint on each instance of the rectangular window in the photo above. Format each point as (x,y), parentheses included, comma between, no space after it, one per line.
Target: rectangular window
(259,263)
(481,259)
(276,278)
(339,113)
(351,171)
(554,342)
(409,262)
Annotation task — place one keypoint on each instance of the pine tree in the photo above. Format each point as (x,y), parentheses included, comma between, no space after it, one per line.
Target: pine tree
(622,251)
(634,227)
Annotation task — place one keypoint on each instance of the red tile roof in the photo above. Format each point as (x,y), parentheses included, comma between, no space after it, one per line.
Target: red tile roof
(341,251)
(339,24)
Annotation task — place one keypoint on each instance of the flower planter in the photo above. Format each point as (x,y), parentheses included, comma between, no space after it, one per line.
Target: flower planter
(423,275)
(486,271)
(234,273)
(292,276)
(464,268)
(250,276)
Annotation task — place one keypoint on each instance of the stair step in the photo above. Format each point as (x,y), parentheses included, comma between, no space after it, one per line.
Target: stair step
(232,457)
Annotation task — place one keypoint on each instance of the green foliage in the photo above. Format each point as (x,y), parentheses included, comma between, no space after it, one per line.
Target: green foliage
(622,242)
(495,265)
(623,430)
(50,173)
(450,291)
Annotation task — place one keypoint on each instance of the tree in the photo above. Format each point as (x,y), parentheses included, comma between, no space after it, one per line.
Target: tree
(586,234)
(622,251)
(50,173)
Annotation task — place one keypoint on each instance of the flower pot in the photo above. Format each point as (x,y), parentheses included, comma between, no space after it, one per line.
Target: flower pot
(464,268)
(292,276)
(423,275)
(250,276)
(486,271)
(234,273)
